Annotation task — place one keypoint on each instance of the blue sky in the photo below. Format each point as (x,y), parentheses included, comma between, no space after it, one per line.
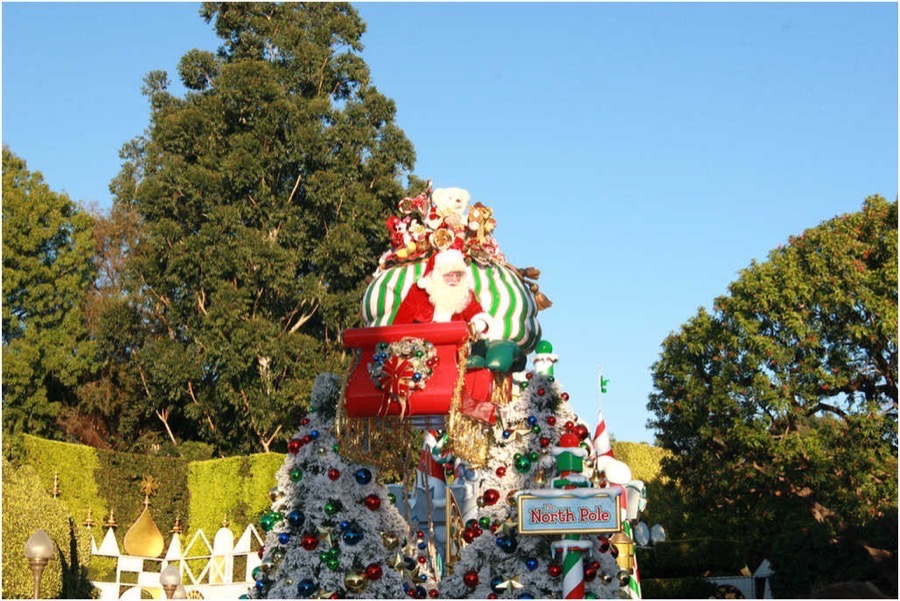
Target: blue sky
(640,155)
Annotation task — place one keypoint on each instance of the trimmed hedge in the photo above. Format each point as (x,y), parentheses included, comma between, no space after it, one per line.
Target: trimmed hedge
(236,487)
(27,506)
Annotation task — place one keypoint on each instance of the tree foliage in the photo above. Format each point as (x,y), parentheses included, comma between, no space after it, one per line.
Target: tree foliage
(46,270)
(780,405)
(260,197)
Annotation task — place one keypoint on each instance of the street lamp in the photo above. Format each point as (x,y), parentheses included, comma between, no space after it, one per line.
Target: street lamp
(170,578)
(39,549)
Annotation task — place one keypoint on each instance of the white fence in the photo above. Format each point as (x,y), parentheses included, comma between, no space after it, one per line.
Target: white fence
(221,570)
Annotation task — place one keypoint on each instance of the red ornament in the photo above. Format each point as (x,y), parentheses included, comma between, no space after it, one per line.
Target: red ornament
(492,595)
(554,570)
(335,596)
(545,442)
(420,534)
(304,421)
(261,551)
(581,431)
(590,572)
(306,439)
(309,542)
(477,531)
(529,375)
(541,391)
(604,543)
(372,502)
(433,593)
(422,559)
(568,426)
(294,445)
(564,396)
(468,536)
(551,420)
(471,579)
(373,571)
(494,527)
(334,474)
(501,471)
(491,496)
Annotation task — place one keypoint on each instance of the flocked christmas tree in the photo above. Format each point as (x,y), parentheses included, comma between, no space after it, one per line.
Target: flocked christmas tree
(332,530)
(499,562)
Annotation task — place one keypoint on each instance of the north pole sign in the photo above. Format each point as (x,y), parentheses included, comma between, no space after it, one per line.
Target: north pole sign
(570,511)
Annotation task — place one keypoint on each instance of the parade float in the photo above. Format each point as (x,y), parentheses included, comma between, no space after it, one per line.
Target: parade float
(439,372)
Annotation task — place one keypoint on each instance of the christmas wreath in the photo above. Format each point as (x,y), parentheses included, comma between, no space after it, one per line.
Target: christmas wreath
(400,368)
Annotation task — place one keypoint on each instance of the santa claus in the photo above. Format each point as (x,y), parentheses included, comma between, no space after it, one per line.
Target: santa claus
(445,293)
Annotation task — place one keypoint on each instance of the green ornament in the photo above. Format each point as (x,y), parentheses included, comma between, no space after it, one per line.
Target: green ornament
(332,507)
(335,448)
(269,520)
(535,429)
(590,596)
(523,384)
(257,573)
(323,556)
(333,564)
(533,456)
(543,346)
(392,498)
(296,475)
(484,522)
(523,465)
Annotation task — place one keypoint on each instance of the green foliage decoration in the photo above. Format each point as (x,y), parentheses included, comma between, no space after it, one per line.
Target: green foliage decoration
(236,487)
(28,506)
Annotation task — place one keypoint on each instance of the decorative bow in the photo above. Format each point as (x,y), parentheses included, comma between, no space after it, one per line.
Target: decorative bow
(395,377)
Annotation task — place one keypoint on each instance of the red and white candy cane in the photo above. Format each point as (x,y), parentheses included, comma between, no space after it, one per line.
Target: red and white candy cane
(572,566)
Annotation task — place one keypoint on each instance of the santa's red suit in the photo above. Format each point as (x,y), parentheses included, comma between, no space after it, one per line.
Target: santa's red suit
(417,308)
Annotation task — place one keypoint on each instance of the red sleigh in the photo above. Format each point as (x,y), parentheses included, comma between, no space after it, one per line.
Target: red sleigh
(414,375)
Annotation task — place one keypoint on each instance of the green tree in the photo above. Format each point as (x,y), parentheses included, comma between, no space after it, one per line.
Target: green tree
(780,406)
(261,195)
(46,271)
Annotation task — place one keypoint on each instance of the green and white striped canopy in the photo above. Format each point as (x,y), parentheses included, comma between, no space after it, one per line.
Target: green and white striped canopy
(498,289)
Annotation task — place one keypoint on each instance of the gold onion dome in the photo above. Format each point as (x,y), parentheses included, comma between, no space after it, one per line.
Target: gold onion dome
(144,538)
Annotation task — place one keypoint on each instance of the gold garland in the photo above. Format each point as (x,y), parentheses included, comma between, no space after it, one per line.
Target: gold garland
(468,437)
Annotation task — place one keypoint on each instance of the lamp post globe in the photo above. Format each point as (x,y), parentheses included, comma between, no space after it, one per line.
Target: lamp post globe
(39,549)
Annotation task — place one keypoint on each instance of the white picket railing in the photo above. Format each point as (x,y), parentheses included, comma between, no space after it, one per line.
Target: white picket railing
(222,570)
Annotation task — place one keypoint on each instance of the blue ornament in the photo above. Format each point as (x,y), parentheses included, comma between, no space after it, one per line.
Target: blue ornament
(496,581)
(307,588)
(363,476)
(507,434)
(295,518)
(422,546)
(260,585)
(314,434)
(507,544)
(345,524)
(421,593)
(283,538)
(417,376)
(532,420)
(352,535)
(532,564)
(526,596)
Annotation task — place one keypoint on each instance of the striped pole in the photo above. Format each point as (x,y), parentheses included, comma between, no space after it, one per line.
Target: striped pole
(573,550)
(634,581)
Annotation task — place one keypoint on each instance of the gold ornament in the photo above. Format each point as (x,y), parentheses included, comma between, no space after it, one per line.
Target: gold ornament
(511,497)
(512,583)
(325,534)
(391,541)
(355,581)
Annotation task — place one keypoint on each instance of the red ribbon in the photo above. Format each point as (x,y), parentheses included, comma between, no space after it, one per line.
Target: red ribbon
(396,374)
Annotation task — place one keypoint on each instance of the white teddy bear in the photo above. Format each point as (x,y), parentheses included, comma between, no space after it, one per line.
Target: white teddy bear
(449,205)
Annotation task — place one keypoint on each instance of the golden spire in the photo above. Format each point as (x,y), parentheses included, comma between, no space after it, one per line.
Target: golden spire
(55,491)
(89,520)
(111,520)
(225,521)
(177,528)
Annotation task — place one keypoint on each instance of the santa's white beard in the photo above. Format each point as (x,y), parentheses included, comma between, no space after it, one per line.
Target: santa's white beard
(447,300)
